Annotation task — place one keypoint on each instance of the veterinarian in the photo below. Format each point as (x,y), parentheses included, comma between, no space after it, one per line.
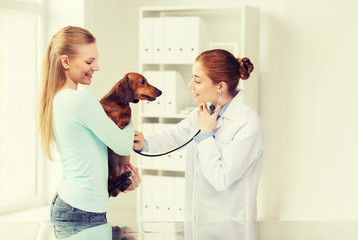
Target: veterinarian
(78,126)
(224,161)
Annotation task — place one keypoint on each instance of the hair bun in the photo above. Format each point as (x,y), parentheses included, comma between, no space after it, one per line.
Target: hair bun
(246,67)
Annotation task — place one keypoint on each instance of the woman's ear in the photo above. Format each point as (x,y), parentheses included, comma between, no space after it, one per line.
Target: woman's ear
(221,86)
(64,62)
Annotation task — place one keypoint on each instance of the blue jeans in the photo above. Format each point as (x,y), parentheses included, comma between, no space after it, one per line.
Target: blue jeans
(68,220)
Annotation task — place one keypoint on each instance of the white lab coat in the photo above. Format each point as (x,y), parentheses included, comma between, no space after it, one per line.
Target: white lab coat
(222,173)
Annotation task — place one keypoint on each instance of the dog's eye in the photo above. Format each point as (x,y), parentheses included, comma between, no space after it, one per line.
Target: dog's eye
(143,81)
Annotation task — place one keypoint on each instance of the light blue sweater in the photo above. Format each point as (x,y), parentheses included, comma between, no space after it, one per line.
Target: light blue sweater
(82,132)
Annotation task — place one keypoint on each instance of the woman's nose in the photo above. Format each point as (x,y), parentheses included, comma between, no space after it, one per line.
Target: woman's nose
(95,67)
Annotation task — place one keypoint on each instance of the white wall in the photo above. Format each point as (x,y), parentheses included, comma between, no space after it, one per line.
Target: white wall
(309,59)
(308,68)
(60,14)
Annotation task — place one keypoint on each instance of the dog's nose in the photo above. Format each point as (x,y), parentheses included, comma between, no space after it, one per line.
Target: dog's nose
(159,93)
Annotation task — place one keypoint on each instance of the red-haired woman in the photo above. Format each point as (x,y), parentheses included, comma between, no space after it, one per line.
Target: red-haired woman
(224,161)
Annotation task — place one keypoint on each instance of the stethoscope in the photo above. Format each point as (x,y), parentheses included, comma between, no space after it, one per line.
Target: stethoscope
(212,110)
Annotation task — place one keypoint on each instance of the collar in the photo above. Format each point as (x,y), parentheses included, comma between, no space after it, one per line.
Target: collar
(232,109)
(223,109)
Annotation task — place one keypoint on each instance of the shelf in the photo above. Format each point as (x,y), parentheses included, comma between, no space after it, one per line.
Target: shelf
(220,26)
(225,7)
(181,116)
(153,171)
(167,63)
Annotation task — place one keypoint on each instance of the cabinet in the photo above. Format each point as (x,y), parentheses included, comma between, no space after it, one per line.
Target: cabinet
(170,40)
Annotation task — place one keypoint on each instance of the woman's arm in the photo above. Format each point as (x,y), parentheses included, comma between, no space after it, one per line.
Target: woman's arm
(173,137)
(91,114)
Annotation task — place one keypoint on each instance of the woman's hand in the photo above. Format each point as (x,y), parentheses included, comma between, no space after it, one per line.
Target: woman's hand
(207,122)
(135,178)
(138,140)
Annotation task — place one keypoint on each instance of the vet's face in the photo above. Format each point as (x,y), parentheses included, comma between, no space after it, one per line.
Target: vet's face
(82,66)
(203,88)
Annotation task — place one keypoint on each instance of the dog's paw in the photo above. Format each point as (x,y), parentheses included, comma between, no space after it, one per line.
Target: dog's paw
(121,184)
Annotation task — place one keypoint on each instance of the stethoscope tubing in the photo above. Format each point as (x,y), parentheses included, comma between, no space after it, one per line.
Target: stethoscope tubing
(173,150)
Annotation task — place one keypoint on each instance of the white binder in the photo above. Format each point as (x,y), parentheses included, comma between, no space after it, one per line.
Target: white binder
(174,39)
(167,198)
(171,39)
(157,197)
(176,95)
(170,160)
(179,197)
(147,202)
(162,161)
(193,32)
(158,39)
(146,40)
(180,160)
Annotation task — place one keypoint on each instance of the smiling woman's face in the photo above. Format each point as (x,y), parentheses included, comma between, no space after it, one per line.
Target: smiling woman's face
(203,88)
(83,65)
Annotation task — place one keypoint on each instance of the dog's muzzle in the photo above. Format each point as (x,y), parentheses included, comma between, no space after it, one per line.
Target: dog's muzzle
(149,97)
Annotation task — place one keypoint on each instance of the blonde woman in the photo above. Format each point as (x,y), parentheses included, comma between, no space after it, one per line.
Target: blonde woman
(77,124)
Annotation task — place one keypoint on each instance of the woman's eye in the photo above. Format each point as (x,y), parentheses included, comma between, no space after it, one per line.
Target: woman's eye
(195,79)
(89,63)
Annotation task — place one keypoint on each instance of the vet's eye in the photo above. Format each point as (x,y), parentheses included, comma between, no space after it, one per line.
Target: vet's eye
(143,81)
(195,78)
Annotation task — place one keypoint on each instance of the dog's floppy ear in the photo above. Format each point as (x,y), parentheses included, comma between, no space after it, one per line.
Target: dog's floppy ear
(124,90)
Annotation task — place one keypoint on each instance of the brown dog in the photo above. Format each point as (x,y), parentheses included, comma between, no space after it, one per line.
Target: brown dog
(132,88)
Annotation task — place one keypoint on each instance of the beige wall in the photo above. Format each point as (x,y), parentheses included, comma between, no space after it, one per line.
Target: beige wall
(308,81)
(309,60)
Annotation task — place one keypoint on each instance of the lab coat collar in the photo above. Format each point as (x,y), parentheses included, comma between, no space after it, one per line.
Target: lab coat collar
(233,110)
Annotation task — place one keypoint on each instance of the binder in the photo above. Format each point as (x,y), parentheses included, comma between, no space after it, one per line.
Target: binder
(157,197)
(147,202)
(167,197)
(171,39)
(174,39)
(180,160)
(170,162)
(193,32)
(158,39)
(146,40)
(176,95)
(161,162)
(179,198)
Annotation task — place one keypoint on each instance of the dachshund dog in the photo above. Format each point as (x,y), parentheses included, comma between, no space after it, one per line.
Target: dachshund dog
(131,88)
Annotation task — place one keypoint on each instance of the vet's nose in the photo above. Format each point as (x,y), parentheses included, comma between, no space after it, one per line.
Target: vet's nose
(159,93)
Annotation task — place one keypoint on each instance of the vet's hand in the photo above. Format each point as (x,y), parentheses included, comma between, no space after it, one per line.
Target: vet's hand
(134,177)
(138,140)
(207,122)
